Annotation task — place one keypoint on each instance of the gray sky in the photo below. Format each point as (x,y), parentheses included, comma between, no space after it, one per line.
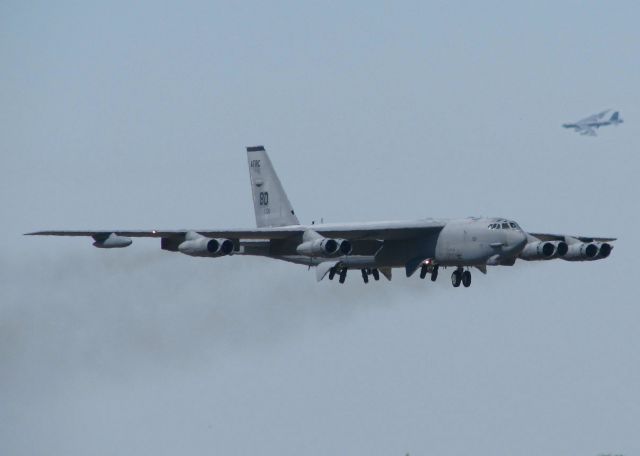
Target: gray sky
(136,116)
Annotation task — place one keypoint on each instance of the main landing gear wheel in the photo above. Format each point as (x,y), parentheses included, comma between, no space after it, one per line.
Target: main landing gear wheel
(466,279)
(332,273)
(375,274)
(343,275)
(365,276)
(434,273)
(456,278)
(423,271)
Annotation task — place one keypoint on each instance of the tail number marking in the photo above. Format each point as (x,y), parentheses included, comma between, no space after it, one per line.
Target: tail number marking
(255,164)
(264,198)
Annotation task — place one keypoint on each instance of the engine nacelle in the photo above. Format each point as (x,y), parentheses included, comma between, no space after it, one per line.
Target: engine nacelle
(206,247)
(112,241)
(344,246)
(604,250)
(544,250)
(324,247)
(584,251)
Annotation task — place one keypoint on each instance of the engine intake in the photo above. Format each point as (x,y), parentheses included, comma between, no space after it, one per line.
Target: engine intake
(605,250)
(324,247)
(584,251)
(544,250)
(205,247)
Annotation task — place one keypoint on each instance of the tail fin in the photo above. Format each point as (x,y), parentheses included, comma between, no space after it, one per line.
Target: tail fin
(615,117)
(269,199)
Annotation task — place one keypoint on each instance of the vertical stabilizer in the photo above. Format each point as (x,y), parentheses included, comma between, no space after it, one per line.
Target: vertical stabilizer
(269,199)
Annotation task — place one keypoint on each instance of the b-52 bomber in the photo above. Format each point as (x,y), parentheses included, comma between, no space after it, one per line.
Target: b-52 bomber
(373,248)
(589,125)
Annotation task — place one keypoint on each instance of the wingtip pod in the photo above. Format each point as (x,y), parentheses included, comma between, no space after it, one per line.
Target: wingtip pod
(111,241)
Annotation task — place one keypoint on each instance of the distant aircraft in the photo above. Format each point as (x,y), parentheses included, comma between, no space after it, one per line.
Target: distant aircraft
(374,248)
(588,125)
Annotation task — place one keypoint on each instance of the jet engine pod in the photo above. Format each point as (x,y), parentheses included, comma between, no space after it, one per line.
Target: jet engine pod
(206,247)
(561,248)
(111,241)
(344,246)
(539,250)
(604,250)
(324,247)
(582,251)
(220,246)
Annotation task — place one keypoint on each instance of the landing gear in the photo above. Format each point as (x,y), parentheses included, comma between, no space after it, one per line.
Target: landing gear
(343,275)
(434,273)
(341,272)
(456,278)
(466,279)
(365,276)
(460,276)
(429,267)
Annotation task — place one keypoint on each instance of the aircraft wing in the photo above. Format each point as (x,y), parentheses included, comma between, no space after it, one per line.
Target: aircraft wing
(563,237)
(354,231)
(235,234)
(594,117)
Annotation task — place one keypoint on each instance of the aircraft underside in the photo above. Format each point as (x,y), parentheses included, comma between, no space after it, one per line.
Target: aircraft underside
(422,246)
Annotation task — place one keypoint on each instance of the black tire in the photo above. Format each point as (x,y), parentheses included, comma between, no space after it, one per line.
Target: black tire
(365,276)
(466,279)
(434,273)
(456,278)
(423,271)
(332,273)
(343,275)
(375,274)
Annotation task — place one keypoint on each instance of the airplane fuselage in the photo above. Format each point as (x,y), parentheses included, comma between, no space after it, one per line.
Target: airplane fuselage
(375,248)
(461,242)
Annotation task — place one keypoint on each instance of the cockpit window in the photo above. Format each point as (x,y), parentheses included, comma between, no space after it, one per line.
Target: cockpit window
(513,225)
(505,226)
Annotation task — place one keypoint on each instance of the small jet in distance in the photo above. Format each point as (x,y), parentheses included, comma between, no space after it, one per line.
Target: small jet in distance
(373,248)
(588,125)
